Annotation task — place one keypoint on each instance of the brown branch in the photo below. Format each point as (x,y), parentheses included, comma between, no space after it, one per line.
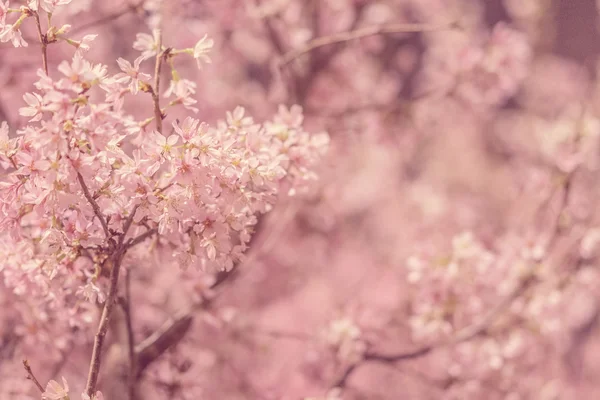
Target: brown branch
(43,41)
(175,328)
(274,37)
(462,335)
(476,329)
(109,17)
(94,205)
(158,115)
(140,238)
(318,61)
(106,313)
(127,224)
(167,336)
(126,306)
(359,34)
(31,376)
(64,357)
(111,299)
(4,115)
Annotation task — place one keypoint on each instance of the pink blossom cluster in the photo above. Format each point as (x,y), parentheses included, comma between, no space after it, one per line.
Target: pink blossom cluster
(484,73)
(492,308)
(85,179)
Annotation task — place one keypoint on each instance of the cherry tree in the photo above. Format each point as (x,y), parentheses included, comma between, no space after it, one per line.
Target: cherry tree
(157,242)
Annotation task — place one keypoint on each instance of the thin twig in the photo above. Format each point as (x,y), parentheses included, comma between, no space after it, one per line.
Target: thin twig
(300,336)
(43,41)
(94,205)
(359,34)
(140,238)
(176,327)
(64,357)
(109,17)
(127,224)
(111,299)
(158,115)
(463,335)
(126,305)
(31,376)
(478,328)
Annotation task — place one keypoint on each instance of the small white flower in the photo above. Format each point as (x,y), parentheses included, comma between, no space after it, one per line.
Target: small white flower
(54,391)
(91,293)
(201,49)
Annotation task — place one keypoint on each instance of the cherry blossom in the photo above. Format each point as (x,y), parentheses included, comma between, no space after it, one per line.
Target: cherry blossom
(54,391)
(201,49)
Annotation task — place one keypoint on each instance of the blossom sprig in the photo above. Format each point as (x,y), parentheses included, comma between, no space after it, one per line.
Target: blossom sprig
(487,294)
(12,32)
(181,89)
(81,192)
(47,5)
(148,46)
(197,189)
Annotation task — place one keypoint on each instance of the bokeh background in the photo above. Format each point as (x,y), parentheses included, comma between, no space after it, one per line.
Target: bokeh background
(449,249)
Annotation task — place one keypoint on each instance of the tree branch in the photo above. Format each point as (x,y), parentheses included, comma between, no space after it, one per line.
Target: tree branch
(127,224)
(158,115)
(140,238)
(359,34)
(165,337)
(481,327)
(462,335)
(175,328)
(111,299)
(126,306)
(31,376)
(94,205)
(43,41)
(109,17)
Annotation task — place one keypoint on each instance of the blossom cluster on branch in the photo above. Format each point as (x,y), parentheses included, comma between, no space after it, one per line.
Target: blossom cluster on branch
(86,181)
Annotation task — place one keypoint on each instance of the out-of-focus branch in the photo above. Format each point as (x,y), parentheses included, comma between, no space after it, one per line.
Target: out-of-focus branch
(31,376)
(317,62)
(140,238)
(3,114)
(482,326)
(167,336)
(131,8)
(359,34)
(274,37)
(463,335)
(126,306)
(175,328)
(573,357)
(64,357)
